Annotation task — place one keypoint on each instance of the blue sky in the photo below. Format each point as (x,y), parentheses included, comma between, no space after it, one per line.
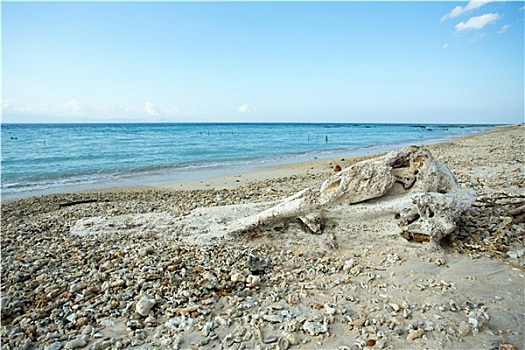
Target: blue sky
(433,62)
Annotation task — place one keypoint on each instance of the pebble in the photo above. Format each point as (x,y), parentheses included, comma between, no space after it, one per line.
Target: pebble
(54,346)
(414,334)
(270,339)
(252,281)
(144,305)
(76,343)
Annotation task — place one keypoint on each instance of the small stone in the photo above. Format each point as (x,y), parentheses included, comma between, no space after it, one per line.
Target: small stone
(252,281)
(414,334)
(55,346)
(81,321)
(272,318)
(283,343)
(395,307)
(146,251)
(315,328)
(144,305)
(329,310)
(348,264)
(76,343)
(356,270)
(270,339)
(75,287)
(237,277)
(370,342)
(117,283)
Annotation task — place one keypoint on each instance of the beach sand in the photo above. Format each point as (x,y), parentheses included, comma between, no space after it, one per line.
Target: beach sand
(137,284)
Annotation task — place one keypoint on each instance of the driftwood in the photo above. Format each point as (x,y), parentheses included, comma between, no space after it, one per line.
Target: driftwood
(426,202)
(405,193)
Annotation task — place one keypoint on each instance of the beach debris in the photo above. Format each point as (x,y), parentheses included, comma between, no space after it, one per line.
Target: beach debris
(417,190)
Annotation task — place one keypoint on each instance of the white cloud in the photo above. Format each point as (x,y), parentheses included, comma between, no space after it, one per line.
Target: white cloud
(244,108)
(150,109)
(88,109)
(7,103)
(458,10)
(445,46)
(477,22)
(504,29)
(72,106)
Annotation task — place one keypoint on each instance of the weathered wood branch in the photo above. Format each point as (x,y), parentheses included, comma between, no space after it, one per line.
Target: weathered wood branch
(435,198)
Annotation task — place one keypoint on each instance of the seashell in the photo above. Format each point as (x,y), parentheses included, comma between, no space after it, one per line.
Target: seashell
(283,343)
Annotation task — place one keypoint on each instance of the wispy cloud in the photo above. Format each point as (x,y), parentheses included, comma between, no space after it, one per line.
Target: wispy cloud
(72,106)
(477,22)
(150,109)
(504,29)
(445,46)
(459,10)
(88,109)
(244,108)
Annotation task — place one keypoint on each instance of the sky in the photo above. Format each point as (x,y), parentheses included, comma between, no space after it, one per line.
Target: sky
(380,62)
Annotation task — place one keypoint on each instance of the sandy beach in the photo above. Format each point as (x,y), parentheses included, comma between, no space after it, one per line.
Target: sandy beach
(136,282)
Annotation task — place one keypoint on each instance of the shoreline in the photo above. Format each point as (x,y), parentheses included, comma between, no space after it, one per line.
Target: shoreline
(232,177)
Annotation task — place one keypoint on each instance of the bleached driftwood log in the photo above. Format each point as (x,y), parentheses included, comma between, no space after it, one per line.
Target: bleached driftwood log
(427,204)
(405,193)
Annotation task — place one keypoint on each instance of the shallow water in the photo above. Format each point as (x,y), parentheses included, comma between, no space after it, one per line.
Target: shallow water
(47,158)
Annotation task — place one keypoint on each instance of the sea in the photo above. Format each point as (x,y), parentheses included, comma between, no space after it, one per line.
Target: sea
(41,159)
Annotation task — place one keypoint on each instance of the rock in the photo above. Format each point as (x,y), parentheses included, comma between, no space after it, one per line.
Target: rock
(414,334)
(395,307)
(237,277)
(144,306)
(75,287)
(54,346)
(270,339)
(81,321)
(272,318)
(76,343)
(315,328)
(146,251)
(252,281)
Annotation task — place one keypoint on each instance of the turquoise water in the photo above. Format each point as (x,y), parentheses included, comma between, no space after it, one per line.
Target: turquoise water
(48,158)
